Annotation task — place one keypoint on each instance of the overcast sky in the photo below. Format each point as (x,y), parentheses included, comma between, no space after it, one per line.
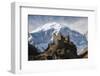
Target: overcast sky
(79,24)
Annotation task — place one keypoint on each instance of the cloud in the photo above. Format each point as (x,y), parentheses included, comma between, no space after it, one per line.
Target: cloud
(76,23)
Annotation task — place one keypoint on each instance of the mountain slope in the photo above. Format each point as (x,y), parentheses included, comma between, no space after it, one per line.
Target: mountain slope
(42,36)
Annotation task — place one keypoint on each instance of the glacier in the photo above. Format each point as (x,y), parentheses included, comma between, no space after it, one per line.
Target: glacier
(43,36)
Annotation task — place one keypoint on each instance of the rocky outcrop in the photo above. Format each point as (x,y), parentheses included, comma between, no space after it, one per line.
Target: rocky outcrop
(62,48)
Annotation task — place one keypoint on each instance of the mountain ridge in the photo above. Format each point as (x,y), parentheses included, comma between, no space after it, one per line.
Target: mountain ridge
(42,36)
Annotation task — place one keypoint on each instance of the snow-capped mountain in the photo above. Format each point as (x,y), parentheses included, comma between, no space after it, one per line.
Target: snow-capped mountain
(42,36)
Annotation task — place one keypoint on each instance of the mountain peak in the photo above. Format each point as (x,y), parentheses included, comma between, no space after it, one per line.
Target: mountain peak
(53,25)
(47,26)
